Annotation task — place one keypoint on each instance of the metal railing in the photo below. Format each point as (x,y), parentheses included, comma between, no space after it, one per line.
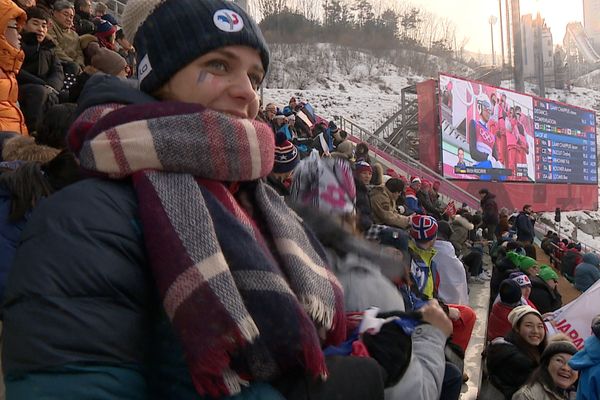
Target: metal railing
(405,162)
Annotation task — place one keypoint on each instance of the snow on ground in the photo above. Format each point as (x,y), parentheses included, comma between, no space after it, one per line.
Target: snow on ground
(367,91)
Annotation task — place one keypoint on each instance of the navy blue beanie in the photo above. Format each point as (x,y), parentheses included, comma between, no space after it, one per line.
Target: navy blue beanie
(170,34)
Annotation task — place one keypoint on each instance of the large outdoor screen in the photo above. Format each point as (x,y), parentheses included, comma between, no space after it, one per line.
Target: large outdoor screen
(490,133)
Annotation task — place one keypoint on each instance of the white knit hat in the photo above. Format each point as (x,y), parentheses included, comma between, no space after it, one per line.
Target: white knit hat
(519,312)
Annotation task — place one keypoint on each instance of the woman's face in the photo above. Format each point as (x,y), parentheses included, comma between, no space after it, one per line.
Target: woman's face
(526,291)
(560,372)
(365,177)
(223,80)
(532,329)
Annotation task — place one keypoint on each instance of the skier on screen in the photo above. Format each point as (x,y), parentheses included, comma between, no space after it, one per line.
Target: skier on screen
(482,137)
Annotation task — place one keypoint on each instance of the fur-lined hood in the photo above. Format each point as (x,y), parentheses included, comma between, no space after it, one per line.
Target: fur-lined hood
(24,148)
(462,221)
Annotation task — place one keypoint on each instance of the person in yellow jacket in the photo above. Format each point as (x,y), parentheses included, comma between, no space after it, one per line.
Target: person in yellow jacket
(12,19)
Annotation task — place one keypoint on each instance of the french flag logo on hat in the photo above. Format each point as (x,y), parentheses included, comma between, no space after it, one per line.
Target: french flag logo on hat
(423,228)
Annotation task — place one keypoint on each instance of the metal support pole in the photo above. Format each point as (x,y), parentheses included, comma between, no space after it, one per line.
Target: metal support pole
(518,45)
(501,32)
(508,35)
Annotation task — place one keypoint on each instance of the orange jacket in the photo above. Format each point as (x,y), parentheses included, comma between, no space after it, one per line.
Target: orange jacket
(11,59)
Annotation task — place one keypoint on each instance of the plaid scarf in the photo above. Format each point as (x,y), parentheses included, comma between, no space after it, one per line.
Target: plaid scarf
(241,312)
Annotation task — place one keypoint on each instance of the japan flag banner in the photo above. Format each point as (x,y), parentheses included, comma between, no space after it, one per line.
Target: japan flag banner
(575,318)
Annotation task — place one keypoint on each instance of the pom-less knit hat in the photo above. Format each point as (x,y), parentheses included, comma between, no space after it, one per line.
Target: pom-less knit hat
(519,312)
(525,263)
(522,279)
(362,166)
(423,228)
(547,273)
(510,292)
(170,34)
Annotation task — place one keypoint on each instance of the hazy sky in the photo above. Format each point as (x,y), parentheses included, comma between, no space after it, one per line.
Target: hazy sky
(471,17)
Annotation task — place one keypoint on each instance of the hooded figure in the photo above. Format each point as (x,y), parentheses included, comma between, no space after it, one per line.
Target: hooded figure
(12,19)
(588,272)
(587,362)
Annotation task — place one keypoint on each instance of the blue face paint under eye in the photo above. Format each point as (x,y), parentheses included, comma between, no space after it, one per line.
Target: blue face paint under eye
(202,76)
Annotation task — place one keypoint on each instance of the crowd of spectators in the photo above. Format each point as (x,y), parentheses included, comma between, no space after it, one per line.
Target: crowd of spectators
(146,254)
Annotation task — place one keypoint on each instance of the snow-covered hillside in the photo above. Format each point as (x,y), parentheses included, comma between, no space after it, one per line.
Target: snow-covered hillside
(346,82)
(366,89)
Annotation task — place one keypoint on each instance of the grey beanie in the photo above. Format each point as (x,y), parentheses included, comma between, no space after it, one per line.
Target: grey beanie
(170,34)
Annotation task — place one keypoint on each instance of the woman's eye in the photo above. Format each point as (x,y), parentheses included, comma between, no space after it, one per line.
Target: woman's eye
(218,65)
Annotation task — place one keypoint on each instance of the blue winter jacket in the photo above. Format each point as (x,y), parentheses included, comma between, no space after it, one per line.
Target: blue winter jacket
(588,272)
(587,362)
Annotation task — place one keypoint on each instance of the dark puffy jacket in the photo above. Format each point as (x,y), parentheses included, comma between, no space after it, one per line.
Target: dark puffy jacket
(363,206)
(489,210)
(120,343)
(508,366)
(524,225)
(41,65)
(10,232)
(83,24)
(544,298)
(570,259)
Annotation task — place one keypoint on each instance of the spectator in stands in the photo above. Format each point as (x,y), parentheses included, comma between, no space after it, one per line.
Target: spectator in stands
(127,51)
(25,4)
(364,270)
(436,198)
(240,227)
(504,267)
(55,125)
(270,112)
(511,360)
(424,197)
(286,159)
(544,290)
(528,266)
(570,259)
(101,11)
(20,192)
(12,20)
(510,297)
(489,210)
(460,232)
(361,152)
(549,242)
(525,285)
(66,39)
(503,225)
(104,61)
(453,281)
(524,225)
(587,362)
(82,21)
(554,378)
(362,178)
(588,272)
(383,204)
(106,34)
(343,147)
(412,201)
(41,77)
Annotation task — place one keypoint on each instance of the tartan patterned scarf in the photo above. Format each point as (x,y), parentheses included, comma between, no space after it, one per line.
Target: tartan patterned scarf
(241,312)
